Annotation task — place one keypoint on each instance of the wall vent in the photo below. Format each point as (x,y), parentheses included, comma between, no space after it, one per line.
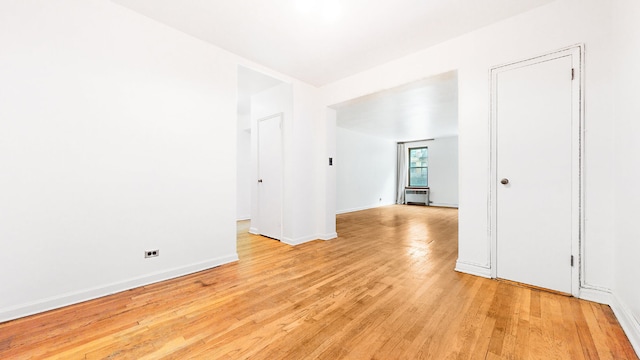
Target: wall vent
(416,196)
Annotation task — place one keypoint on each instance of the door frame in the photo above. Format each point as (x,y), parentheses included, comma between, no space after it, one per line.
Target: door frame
(281,116)
(577,149)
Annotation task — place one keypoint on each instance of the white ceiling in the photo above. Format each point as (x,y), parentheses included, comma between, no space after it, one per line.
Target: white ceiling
(340,38)
(423,109)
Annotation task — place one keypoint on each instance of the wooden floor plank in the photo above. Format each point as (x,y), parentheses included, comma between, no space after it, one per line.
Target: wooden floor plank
(385,289)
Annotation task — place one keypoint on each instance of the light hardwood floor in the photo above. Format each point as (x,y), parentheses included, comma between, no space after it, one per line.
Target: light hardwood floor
(385,289)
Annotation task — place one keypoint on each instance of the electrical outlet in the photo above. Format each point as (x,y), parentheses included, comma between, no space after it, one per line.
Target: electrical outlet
(151,253)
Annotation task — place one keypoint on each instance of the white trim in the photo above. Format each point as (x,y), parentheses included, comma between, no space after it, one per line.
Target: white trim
(304,239)
(254,231)
(338,212)
(243,218)
(576,52)
(75,297)
(360,208)
(455,206)
(298,241)
(328,236)
(600,296)
(629,323)
(473,269)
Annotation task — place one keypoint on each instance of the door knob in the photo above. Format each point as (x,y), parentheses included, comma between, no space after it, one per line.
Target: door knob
(504,181)
(259,180)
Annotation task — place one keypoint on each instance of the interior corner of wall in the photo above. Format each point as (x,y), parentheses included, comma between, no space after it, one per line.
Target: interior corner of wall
(630,324)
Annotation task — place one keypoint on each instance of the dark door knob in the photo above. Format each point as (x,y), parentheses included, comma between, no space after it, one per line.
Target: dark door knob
(259,180)
(504,181)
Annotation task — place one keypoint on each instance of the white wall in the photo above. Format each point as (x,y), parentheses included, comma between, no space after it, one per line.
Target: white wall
(626,57)
(244,181)
(443,170)
(300,105)
(365,171)
(117,135)
(302,152)
(360,157)
(326,130)
(547,28)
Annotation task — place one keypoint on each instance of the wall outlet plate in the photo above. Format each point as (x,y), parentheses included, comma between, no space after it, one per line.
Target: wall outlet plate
(151,253)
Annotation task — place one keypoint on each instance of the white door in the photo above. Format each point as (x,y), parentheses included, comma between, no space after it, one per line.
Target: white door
(535,126)
(270,176)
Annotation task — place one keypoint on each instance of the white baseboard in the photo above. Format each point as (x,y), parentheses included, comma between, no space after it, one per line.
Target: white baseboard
(629,323)
(298,241)
(304,239)
(473,269)
(599,295)
(444,205)
(63,300)
(328,236)
(373,206)
(243,218)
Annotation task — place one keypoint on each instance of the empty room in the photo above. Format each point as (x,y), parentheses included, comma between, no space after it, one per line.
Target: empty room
(302,179)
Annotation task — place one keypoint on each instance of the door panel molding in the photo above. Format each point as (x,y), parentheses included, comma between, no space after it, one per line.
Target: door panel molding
(576,54)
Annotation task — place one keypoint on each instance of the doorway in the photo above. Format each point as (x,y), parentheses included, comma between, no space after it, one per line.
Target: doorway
(536,171)
(368,129)
(250,84)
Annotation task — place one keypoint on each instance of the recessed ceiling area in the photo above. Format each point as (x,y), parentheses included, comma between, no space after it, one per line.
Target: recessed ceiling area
(423,109)
(321,41)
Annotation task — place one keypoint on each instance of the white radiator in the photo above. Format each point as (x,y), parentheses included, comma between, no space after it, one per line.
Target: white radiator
(416,196)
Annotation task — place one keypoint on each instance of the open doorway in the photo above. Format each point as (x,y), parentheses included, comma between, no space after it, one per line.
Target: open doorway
(250,83)
(262,100)
(420,114)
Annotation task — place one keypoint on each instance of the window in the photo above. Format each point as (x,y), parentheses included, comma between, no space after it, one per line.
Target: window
(418,167)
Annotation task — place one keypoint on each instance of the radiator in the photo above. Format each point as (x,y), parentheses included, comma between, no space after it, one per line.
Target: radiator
(416,196)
